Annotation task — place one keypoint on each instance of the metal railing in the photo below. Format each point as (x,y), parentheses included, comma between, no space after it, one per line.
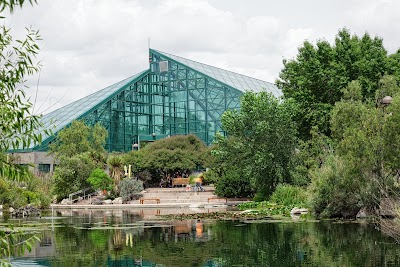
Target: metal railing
(84,193)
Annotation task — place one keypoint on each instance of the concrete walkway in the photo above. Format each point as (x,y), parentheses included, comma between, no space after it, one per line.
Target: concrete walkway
(169,198)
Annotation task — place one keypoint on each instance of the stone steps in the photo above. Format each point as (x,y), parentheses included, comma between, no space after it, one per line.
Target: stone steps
(179,195)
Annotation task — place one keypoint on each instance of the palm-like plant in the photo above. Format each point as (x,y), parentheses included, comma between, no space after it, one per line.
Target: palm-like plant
(115,164)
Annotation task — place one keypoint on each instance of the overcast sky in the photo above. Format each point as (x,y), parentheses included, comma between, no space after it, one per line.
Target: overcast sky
(90,44)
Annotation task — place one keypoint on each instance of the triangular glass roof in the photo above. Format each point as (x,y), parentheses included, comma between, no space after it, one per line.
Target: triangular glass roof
(232,79)
(58,119)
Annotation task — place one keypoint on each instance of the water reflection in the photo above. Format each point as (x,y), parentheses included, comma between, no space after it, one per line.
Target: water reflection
(125,238)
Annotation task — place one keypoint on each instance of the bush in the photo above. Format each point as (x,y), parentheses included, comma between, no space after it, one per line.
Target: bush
(336,190)
(232,184)
(288,195)
(100,180)
(130,189)
(210,177)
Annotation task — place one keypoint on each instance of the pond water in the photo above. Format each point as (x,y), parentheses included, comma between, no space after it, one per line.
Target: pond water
(135,238)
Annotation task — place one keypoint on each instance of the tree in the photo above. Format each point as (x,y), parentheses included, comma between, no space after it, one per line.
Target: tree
(81,138)
(363,167)
(18,123)
(261,140)
(79,150)
(100,180)
(177,154)
(316,78)
(71,174)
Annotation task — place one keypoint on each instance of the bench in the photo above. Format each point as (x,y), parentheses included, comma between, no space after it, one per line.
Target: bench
(218,198)
(180,181)
(141,200)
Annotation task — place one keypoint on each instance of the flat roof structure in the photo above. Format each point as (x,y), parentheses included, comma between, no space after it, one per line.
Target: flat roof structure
(174,96)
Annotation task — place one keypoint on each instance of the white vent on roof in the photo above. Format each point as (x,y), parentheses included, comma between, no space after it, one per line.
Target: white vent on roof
(163,66)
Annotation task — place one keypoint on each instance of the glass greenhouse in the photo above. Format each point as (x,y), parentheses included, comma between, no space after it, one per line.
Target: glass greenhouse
(174,96)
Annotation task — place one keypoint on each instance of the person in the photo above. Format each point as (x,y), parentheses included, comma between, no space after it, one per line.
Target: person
(198,181)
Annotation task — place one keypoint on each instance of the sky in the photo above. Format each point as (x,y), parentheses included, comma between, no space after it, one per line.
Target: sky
(90,44)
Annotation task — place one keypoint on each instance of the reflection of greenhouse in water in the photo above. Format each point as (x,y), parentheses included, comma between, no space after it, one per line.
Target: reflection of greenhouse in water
(174,96)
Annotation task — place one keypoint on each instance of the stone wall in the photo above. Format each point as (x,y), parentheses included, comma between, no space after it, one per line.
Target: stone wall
(35,158)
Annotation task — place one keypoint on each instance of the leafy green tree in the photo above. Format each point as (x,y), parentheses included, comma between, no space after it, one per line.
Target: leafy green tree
(18,122)
(261,140)
(100,180)
(177,154)
(316,78)
(234,184)
(81,138)
(362,169)
(71,174)
(79,149)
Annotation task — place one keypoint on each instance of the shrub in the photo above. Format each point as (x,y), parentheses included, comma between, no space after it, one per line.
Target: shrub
(232,184)
(210,177)
(130,189)
(289,195)
(100,180)
(335,189)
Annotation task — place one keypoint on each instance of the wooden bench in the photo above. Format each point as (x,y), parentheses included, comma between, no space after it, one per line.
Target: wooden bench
(141,200)
(180,181)
(217,198)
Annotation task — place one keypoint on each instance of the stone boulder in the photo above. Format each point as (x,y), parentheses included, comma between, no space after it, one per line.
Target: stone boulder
(118,200)
(297,210)
(107,201)
(66,201)
(25,211)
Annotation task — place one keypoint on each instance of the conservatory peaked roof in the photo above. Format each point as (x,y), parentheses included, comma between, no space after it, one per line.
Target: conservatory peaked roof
(62,117)
(58,119)
(232,79)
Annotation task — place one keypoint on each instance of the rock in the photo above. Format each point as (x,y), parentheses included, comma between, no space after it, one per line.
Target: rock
(25,211)
(297,210)
(364,213)
(66,201)
(97,202)
(107,201)
(118,200)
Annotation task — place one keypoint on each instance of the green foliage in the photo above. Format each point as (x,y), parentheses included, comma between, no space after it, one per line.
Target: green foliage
(79,150)
(177,154)
(289,195)
(71,174)
(135,159)
(210,177)
(80,138)
(234,184)
(309,155)
(261,141)
(130,189)
(316,77)
(100,180)
(336,189)
(115,163)
(17,62)
(361,170)
(12,4)
(15,243)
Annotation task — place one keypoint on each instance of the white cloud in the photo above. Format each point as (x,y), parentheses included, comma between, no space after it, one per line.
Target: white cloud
(90,44)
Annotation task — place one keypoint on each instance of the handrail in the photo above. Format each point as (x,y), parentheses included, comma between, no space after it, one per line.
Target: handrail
(79,192)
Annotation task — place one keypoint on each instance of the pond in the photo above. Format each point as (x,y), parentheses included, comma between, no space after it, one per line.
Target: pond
(137,238)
